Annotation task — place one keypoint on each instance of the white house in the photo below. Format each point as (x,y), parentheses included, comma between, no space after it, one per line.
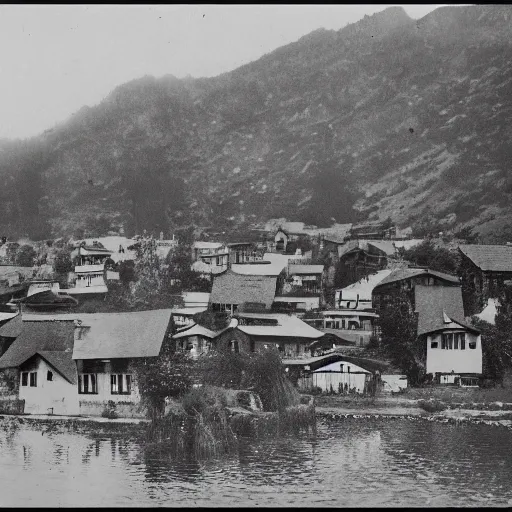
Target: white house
(453,347)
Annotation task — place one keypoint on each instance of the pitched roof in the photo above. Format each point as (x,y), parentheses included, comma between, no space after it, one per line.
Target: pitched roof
(297,269)
(120,335)
(38,336)
(288,326)
(437,304)
(62,362)
(12,328)
(400,274)
(385,246)
(496,258)
(195,330)
(232,288)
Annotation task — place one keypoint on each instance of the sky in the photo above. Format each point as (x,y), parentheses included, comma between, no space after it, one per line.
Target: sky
(54,59)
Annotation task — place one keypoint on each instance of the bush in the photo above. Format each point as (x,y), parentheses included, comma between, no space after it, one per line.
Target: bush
(110,411)
(316,390)
(432,405)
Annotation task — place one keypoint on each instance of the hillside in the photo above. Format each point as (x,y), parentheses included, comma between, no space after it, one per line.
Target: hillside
(386,117)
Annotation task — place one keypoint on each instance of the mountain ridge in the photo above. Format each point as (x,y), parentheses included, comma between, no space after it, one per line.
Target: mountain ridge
(339,126)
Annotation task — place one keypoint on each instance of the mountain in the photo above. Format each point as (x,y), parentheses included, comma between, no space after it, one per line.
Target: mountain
(387,117)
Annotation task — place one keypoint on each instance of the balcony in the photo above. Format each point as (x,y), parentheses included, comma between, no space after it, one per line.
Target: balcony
(80,269)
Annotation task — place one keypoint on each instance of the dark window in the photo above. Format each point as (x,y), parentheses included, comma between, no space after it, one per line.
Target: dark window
(462,341)
(49,375)
(434,344)
(472,344)
(24,379)
(234,346)
(120,384)
(33,379)
(87,383)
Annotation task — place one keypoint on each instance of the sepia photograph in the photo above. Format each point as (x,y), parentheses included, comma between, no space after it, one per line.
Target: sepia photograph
(255,255)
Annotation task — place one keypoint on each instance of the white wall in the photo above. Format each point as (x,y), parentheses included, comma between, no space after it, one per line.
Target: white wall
(58,393)
(309,303)
(460,361)
(330,375)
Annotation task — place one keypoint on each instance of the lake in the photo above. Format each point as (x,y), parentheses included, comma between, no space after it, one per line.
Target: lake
(350,462)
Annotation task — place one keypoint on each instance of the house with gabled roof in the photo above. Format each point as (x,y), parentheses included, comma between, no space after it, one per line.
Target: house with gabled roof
(80,362)
(406,279)
(106,347)
(483,270)
(40,360)
(453,347)
(301,289)
(253,332)
(232,289)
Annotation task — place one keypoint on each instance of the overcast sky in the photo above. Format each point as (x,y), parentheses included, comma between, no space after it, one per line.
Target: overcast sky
(54,59)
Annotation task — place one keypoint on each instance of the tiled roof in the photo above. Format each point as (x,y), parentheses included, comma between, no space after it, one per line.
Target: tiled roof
(297,269)
(496,258)
(400,274)
(196,330)
(385,246)
(233,288)
(39,336)
(62,362)
(12,328)
(120,335)
(434,302)
(288,326)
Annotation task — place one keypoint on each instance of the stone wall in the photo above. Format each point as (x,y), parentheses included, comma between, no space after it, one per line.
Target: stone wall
(122,409)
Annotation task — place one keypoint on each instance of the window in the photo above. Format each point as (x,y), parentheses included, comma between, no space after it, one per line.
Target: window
(120,384)
(234,346)
(33,379)
(49,375)
(462,341)
(434,344)
(24,378)
(87,384)
(472,345)
(447,341)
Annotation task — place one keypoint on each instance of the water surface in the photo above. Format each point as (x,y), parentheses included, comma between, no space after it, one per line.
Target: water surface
(350,462)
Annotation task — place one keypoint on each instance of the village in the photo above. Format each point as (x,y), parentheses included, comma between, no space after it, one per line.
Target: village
(329,301)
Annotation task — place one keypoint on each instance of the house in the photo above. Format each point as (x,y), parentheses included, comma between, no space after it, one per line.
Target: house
(253,332)
(184,317)
(14,281)
(281,239)
(453,348)
(244,252)
(40,362)
(352,325)
(483,270)
(375,231)
(406,279)
(90,270)
(301,290)
(232,289)
(209,258)
(195,299)
(195,340)
(355,374)
(106,347)
(358,295)
(358,258)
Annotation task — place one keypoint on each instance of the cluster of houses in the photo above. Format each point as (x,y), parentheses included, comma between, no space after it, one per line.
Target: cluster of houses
(272,295)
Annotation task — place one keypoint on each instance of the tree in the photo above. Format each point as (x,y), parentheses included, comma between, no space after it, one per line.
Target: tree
(428,255)
(62,263)
(25,256)
(165,376)
(400,342)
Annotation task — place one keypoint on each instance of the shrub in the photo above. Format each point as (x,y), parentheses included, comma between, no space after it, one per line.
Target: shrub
(110,411)
(316,390)
(432,405)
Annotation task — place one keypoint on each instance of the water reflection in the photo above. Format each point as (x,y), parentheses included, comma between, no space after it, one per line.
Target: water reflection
(349,463)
